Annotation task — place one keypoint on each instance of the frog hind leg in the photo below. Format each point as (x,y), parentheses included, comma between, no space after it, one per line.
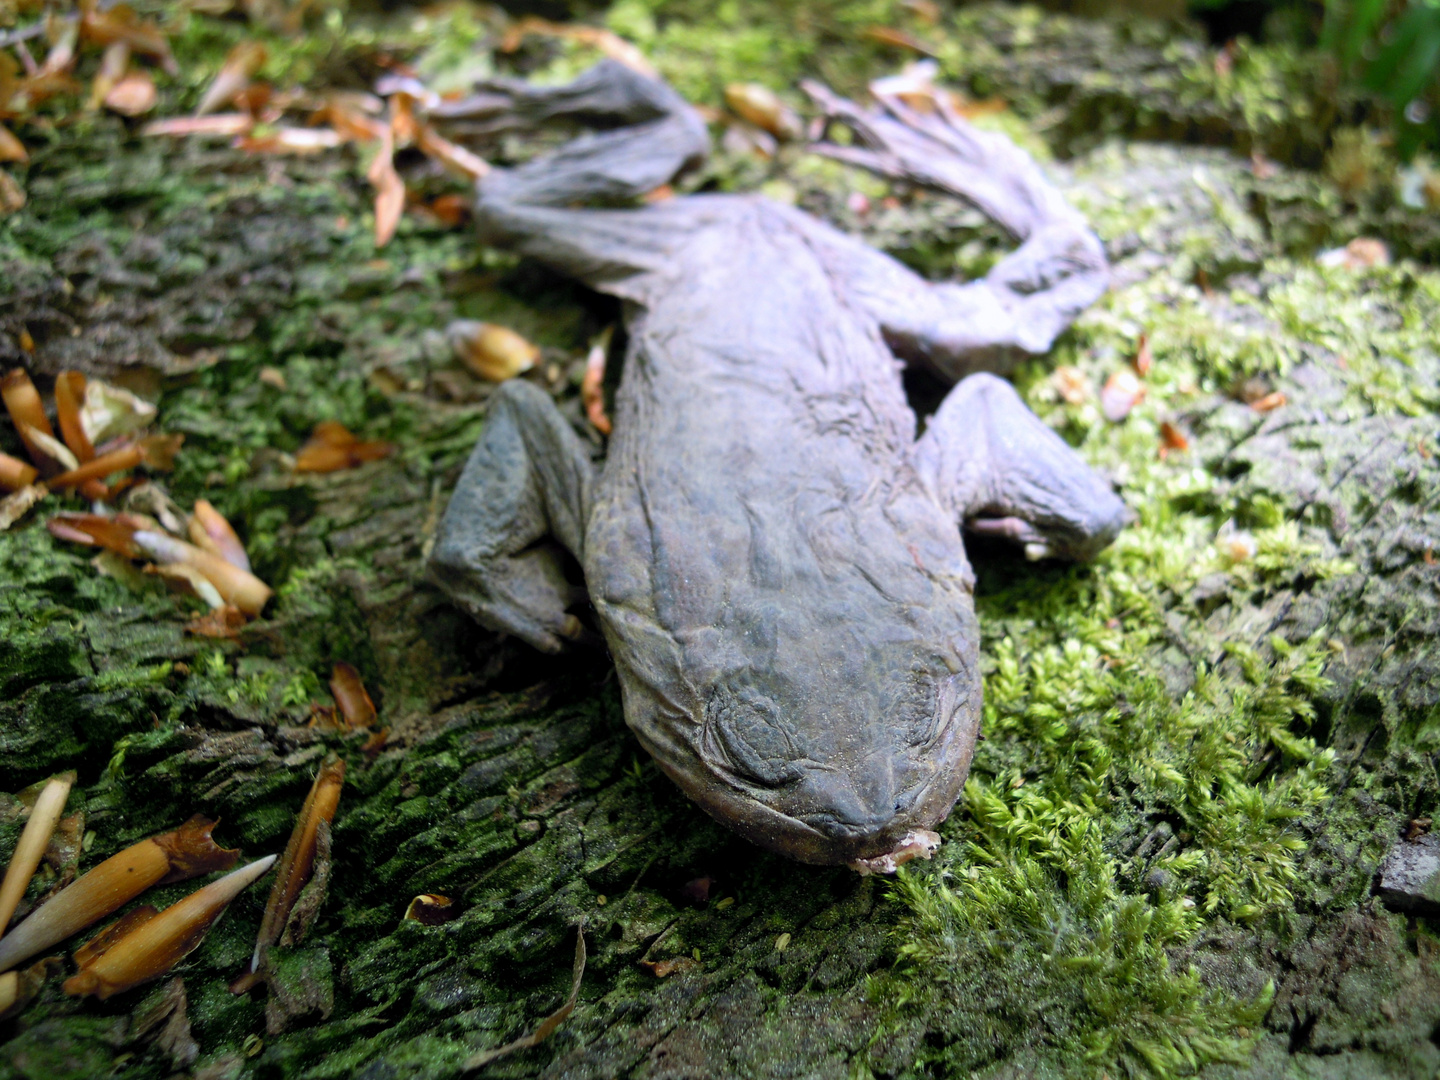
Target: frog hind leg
(1003,472)
(1028,298)
(525,490)
(648,135)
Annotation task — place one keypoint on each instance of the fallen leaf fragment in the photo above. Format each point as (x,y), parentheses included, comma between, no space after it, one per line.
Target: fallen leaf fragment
(1362,253)
(1270,402)
(151,501)
(664,968)
(332,447)
(113,65)
(430,909)
(607,42)
(899,39)
(1172,437)
(12,198)
(916,844)
(762,107)
(224,622)
(550,1023)
(11,148)
(187,852)
(150,950)
(61,57)
(354,115)
(63,853)
(189,581)
(299,857)
(451,155)
(155,452)
(351,697)
(30,848)
(15,474)
(235,586)
(133,95)
(55,452)
(389,190)
(290,140)
(491,351)
(452,210)
(22,401)
(241,65)
(110,412)
(375,743)
(122,24)
(111,935)
(592,387)
(19,988)
(227,125)
(1144,358)
(69,393)
(1072,384)
(17,504)
(209,529)
(1121,393)
(115,534)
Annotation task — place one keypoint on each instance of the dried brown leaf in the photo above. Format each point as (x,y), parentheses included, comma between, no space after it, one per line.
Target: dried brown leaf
(351,697)
(451,155)
(489,350)
(1121,393)
(389,192)
(290,140)
(299,857)
(241,65)
(550,1023)
(12,198)
(134,95)
(15,474)
(220,124)
(223,622)
(17,504)
(1144,358)
(151,950)
(898,39)
(11,148)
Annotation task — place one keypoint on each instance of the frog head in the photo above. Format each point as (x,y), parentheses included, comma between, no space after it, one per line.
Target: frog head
(818,737)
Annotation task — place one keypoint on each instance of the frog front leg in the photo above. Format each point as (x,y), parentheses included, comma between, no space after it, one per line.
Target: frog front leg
(526,488)
(999,469)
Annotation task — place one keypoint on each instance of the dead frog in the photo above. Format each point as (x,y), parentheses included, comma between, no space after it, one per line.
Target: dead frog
(775,558)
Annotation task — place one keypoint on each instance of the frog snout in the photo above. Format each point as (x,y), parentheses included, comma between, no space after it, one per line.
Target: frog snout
(851,804)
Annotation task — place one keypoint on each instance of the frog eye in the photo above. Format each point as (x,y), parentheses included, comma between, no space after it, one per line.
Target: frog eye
(745,735)
(914,712)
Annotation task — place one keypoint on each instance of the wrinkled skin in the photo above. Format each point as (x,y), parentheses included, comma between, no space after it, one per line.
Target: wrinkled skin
(775,559)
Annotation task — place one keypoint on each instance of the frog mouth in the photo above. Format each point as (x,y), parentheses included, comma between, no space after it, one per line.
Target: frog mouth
(916,844)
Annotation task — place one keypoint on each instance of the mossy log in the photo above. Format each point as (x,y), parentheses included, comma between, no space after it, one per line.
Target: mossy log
(1196,756)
